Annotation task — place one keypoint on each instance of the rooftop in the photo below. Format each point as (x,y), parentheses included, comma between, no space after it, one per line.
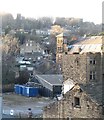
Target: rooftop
(90,44)
(94,91)
(91,40)
(53,79)
(62,35)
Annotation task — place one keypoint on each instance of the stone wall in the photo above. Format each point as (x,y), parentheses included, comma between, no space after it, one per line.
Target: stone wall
(74,67)
(87,108)
(51,111)
(65,108)
(77,67)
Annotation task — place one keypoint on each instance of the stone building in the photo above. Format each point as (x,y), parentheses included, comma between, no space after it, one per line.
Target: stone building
(78,102)
(82,68)
(30,47)
(61,47)
(85,69)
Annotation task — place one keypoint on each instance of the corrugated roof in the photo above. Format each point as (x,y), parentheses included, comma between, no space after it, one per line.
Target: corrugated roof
(91,40)
(92,44)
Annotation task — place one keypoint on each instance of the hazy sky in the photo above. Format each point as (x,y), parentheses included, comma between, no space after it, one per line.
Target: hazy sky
(89,10)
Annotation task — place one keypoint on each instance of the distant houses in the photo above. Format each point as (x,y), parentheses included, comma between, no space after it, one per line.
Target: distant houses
(43,32)
(30,47)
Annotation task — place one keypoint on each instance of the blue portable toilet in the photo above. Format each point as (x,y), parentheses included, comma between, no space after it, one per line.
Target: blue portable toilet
(32,91)
(16,89)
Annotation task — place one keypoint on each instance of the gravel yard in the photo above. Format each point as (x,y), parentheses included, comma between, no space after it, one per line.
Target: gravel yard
(20,104)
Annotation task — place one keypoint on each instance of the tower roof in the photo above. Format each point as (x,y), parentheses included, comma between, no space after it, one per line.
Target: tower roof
(62,35)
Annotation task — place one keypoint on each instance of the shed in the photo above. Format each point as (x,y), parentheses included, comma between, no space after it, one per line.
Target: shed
(52,84)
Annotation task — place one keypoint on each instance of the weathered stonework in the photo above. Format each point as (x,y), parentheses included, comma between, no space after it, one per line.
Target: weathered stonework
(88,91)
(65,108)
(61,47)
(77,67)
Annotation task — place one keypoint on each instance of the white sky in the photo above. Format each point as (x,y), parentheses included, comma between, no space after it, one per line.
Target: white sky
(89,10)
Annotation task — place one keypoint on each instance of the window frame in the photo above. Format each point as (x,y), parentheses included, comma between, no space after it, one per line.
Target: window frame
(77,102)
(92,61)
(92,75)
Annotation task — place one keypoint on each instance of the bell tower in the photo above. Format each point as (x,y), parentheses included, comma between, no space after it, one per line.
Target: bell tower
(61,47)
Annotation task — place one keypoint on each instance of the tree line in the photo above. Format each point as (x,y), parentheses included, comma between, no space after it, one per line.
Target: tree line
(20,22)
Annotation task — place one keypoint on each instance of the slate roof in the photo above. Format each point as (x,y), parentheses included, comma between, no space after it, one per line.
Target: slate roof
(52,79)
(35,54)
(35,80)
(95,91)
(62,35)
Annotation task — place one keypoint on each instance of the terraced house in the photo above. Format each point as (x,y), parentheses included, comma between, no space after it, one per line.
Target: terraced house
(83,71)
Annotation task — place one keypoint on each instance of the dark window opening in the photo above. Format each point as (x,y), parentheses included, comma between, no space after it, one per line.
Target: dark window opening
(103,76)
(92,75)
(92,61)
(76,101)
(68,118)
(77,61)
(66,53)
(76,53)
(59,49)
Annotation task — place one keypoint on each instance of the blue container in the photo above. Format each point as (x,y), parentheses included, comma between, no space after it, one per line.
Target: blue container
(31,91)
(16,89)
(20,89)
(24,90)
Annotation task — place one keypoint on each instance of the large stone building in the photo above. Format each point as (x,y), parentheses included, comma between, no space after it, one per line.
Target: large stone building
(79,102)
(83,67)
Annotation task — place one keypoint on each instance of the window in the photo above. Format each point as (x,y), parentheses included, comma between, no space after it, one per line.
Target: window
(103,76)
(30,44)
(66,53)
(77,61)
(92,61)
(76,101)
(60,49)
(65,41)
(26,44)
(59,41)
(92,75)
